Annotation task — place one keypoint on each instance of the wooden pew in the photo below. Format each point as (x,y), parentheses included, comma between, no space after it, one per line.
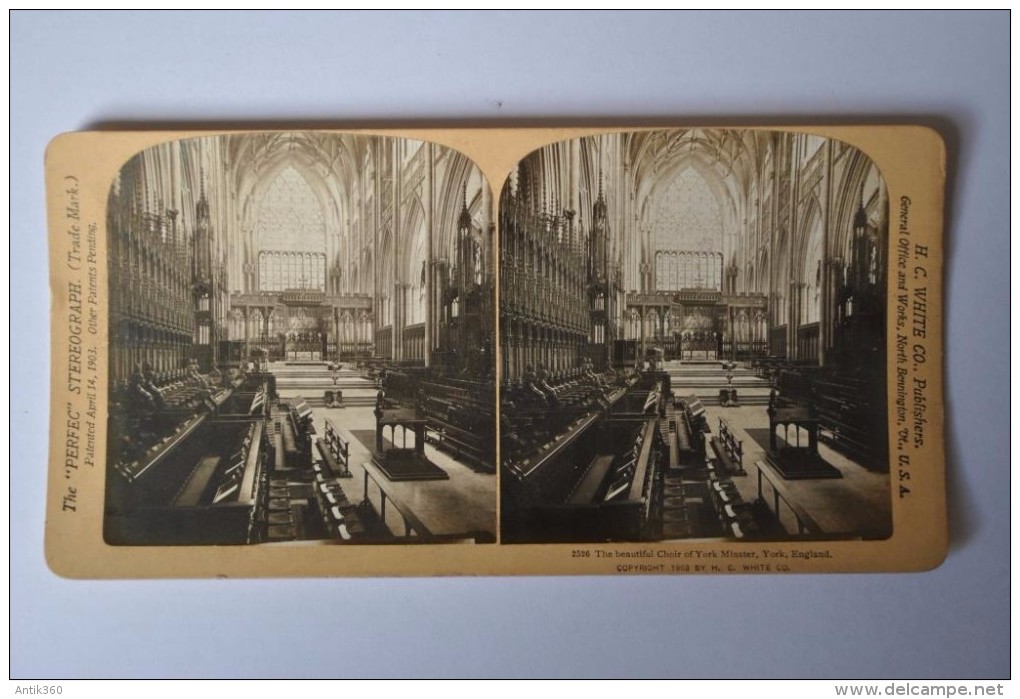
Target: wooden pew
(729,450)
(335,451)
(691,429)
(459,415)
(339,515)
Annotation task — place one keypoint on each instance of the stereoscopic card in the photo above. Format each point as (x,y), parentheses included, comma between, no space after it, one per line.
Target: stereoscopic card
(496,351)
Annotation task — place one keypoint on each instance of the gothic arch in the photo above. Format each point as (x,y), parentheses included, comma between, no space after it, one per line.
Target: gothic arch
(813,260)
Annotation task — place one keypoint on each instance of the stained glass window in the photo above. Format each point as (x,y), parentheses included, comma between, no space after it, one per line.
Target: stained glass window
(688,235)
(291,234)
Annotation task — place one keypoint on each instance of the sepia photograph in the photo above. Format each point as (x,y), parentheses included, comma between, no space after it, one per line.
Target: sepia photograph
(693,340)
(301,343)
(649,345)
(501,335)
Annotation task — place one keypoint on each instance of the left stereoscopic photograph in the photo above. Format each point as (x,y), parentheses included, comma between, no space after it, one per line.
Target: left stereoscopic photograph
(301,343)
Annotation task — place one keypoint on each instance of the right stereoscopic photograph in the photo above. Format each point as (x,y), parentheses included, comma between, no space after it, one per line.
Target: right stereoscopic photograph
(693,340)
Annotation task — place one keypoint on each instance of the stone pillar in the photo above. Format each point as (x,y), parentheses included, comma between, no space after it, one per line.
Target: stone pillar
(732,333)
(396,204)
(247,335)
(825,314)
(641,312)
(336,332)
(377,225)
(429,253)
(792,321)
(773,235)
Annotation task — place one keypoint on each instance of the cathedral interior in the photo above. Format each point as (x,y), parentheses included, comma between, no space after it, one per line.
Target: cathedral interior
(692,340)
(301,343)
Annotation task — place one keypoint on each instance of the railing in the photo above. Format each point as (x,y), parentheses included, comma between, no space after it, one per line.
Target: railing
(807,341)
(806,525)
(412,525)
(413,338)
(351,350)
(384,342)
(777,341)
(272,348)
(745,349)
(732,447)
(338,448)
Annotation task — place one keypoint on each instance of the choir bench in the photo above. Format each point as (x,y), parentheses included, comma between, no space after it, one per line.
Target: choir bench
(340,517)
(729,450)
(690,432)
(459,420)
(335,452)
(296,434)
(736,517)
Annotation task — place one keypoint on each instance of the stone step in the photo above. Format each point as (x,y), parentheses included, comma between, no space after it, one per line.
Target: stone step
(292,392)
(324,383)
(313,380)
(692,360)
(715,385)
(711,371)
(319,372)
(705,396)
(742,398)
(714,366)
(716,381)
(349,401)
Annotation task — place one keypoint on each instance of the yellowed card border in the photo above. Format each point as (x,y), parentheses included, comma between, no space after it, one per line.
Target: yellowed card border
(80,168)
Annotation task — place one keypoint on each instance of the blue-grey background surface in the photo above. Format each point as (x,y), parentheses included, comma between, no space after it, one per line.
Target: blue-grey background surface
(72,71)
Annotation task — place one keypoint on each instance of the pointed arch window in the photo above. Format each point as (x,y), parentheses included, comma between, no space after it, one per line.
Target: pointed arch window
(688,232)
(291,233)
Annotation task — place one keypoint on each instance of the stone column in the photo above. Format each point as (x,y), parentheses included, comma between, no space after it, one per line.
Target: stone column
(429,253)
(825,315)
(377,225)
(396,204)
(247,334)
(641,312)
(792,306)
(773,234)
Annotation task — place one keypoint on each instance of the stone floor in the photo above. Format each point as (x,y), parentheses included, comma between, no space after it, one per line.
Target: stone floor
(858,504)
(311,381)
(464,504)
(705,378)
